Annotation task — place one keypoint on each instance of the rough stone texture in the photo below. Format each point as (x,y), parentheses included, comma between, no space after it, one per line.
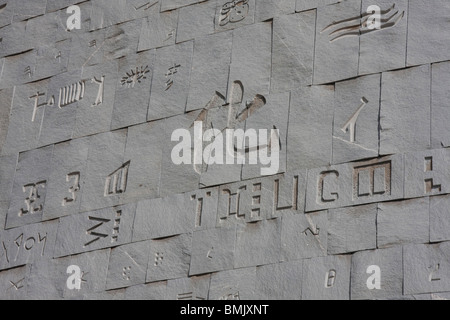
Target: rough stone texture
(267,9)
(292,50)
(6,99)
(439,219)
(390,262)
(193,288)
(439,106)
(149,291)
(338,59)
(403,222)
(303,5)
(345,229)
(426,42)
(405,97)
(196,21)
(355,133)
(427,269)
(326,278)
(238,284)
(239,15)
(169,258)
(14,283)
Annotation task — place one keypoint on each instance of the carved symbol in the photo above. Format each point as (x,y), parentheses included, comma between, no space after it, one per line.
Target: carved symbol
(16,285)
(159,257)
(361,25)
(58,56)
(170,72)
(430,187)
(330,278)
(231,296)
(116,182)
(28,72)
(433,276)
(3,7)
(101,87)
(96,234)
(38,105)
(126,273)
(93,43)
(33,202)
(312,231)
(276,195)
(209,254)
(233,11)
(116,227)
(170,35)
(236,199)
(134,76)
(351,123)
(188,296)
(145,6)
(74,188)
(372,180)
(199,212)
(321,193)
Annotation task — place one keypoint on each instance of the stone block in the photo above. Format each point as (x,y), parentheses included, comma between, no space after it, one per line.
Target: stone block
(238,284)
(169,258)
(27,9)
(281,281)
(106,13)
(14,39)
(342,63)
(439,218)
(128,265)
(6,13)
(427,269)
(193,288)
(158,29)
(29,190)
(292,50)
(167,5)
(352,229)
(267,9)
(355,183)
(6,100)
(28,244)
(196,21)
(385,49)
(205,202)
(18,69)
(210,69)
(170,85)
(369,266)
(326,278)
(258,243)
(403,222)
(426,42)
(310,140)
(146,292)
(133,90)
(7,171)
(66,179)
(213,250)
(304,5)
(96,230)
(356,119)
(303,235)
(231,15)
(403,90)
(14,283)
(440,111)
(164,217)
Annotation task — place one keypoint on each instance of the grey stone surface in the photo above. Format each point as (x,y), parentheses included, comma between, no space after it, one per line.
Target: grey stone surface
(133,89)
(390,262)
(54,5)
(30,187)
(193,288)
(238,284)
(403,90)
(336,59)
(426,173)
(210,69)
(258,244)
(212,250)
(426,42)
(439,106)
(27,9)
(426,268)
(355,183)
(170,85)
(403,222)
(231,15)
(14,39)
(304,236)
(174,4)
(384,49)
(352,229)
(292,50)
(312,112)
(14,283)
(169,258)
(267,9)
(356,114)
(281,281)
(28,244)
(107,13)
(111,295)
(158,29)
(289,193)
(205,201)
(7,170)
(439,218)
(106,171)
(13,70)
(91,231)
(6,99)
(6,14)
(303,5)
(149,291)
(164,217)
(128,265)
(196,21)
(326,278)
(251,59)
(66,179)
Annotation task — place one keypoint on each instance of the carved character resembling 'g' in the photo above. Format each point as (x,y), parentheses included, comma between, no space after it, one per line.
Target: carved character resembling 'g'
(233,11)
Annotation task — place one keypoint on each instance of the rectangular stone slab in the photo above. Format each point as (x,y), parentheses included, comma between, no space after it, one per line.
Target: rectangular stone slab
(267,9)
(439,106)
(238,284)
(193,288)
(14,283)
(196,21)
(439,218)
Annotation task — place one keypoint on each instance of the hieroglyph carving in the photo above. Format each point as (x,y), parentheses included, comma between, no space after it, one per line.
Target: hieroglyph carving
(73,189)
(34,200)
(116,182)
(134,76)
(233,11)
(350,125)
